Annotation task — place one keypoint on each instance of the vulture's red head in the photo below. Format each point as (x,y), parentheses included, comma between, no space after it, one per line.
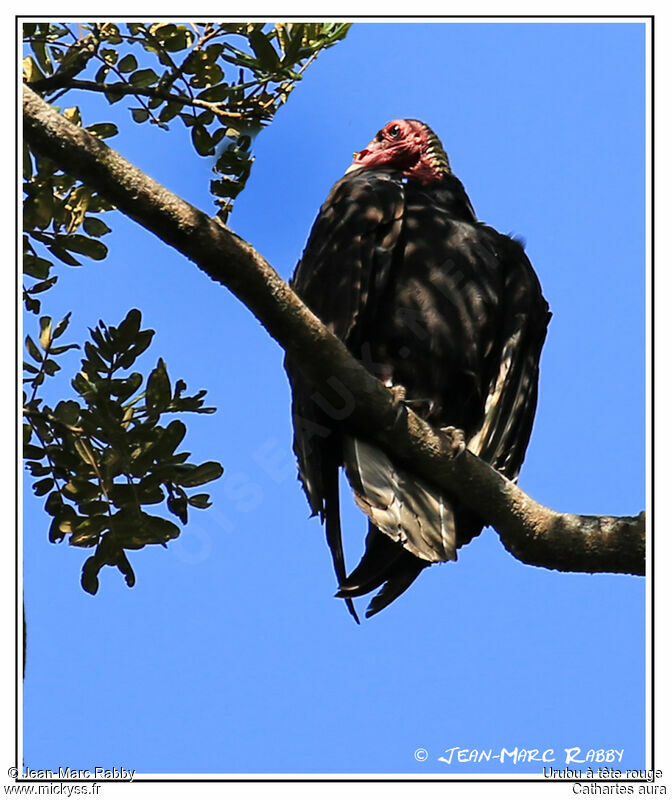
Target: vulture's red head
(407,145)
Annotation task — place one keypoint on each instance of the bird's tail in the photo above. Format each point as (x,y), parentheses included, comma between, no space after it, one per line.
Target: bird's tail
(407,509)
(412,525)
(332,524)
(384,562)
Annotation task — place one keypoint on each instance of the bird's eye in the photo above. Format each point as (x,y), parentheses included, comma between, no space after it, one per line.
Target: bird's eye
(394,131)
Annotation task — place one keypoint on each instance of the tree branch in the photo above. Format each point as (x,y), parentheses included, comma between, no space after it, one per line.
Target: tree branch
(79,55)
(151,92)
(531,532)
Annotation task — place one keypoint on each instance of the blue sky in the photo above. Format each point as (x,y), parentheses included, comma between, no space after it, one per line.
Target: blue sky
(230,654)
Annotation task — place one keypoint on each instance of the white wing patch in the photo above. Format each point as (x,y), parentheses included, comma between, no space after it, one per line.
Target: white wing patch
(405,508)
(476,443)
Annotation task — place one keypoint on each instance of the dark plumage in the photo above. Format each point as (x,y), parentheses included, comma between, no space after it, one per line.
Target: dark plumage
(428,298)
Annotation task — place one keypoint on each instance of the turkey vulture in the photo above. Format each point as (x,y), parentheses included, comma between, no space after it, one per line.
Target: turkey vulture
(431,300)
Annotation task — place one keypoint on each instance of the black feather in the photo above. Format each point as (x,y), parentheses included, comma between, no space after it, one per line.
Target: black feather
(431,299)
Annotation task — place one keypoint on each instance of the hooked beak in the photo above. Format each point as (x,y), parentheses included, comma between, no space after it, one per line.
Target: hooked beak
(357,160)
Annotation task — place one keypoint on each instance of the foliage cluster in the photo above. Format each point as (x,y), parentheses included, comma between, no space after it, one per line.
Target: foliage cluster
(101,458)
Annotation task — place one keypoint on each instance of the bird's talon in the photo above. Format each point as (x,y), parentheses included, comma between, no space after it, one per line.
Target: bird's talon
(398,396)
(398,393)
(422,406)
(454,439)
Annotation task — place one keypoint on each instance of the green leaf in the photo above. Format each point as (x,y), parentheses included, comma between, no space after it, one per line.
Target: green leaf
(144,339)
(51,367)
(111,33)
(128,328)
(91,507)
(60,329)
(215,94)
(31,451)
(123,388)
(128,63)
(33,349)
(140,114)
(171,437)
(234,56)
(94,360)
(202,141)
(36,267)
(204,473)
(90,570)
(294,45)
(67,412)
(199,501)
(40,207)
(143,77)
(42,286)
(103,130)
(45,332)
(264,51)
(123,494)
(92,525)
(63,255)
(78,489)
(103,338)
(207,74)
(158,394)
(177,504)
(27,163)
(102,74)
(55,532)
(82,385)
(158,530)
(188,119)
(38,470)
(113,95)
(169,111)
(43,486)
(150,495)
(31,71)
(109,54)
(155,102)
(64,458)
(206,118)
(180,40)
(125,568)
(56,351)
(226,188)
(213,51)
(84,245)
(95,227)
(53,504)
(163,30)
(73,114)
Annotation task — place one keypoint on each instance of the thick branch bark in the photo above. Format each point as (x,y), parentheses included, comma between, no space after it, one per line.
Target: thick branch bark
(531,532)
